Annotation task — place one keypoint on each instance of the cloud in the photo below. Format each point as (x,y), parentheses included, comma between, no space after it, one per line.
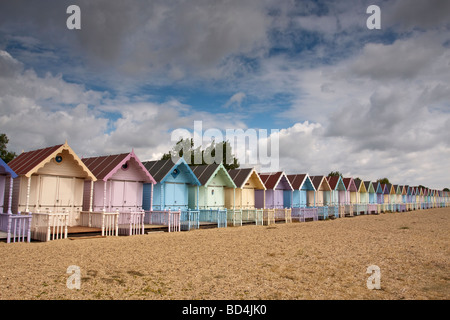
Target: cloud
(235,100)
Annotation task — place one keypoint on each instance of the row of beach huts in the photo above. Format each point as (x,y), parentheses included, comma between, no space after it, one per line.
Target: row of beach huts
(51,193)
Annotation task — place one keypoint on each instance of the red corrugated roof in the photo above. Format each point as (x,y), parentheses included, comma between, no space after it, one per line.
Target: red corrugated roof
(101,166)
(26,161)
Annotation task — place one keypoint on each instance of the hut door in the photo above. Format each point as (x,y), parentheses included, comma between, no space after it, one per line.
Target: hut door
(117,195)
(215,197)
(131,195)
(48,190)
(248,198)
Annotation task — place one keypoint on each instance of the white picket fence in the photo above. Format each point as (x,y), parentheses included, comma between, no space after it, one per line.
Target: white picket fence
(107,221)
(168,218)
(49,226)
(16,226)
(131,223)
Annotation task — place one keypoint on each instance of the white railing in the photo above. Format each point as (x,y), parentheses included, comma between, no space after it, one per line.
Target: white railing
(268,216)
(49,226)
(16,226)
(372,208)
(283,214)
(234,216)
(255,215)
(218,216)
(107,221)
(168,218)
(189,219)
(301,214)
(131,223)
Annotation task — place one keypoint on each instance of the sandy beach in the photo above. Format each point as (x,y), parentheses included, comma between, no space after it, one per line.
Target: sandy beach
(312,260)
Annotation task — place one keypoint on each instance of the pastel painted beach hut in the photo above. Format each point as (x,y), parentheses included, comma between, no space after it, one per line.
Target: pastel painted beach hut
(240,201)
(171,191)
(362,197)
(338,193)
(387,196)
(417,192)
(380,196)
(276,200)
(372,207)
(116,195)
(401,198)
(323,197)
(50,185)
(350,196)
(12,226)
(214,180)
(409,198)
(301,208)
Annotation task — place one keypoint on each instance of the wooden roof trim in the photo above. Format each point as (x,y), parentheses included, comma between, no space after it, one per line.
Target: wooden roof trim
(63,147)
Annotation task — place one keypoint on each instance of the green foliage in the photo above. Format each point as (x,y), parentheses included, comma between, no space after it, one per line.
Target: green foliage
(446,189)
(383,181)
(4,153)
(335,174)
(185,148)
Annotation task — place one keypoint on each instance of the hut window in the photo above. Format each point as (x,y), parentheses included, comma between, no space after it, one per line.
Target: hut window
(125,166)
(212,192)
(58,159)
(175,173)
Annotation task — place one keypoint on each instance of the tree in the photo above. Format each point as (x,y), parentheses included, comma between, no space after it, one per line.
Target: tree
(383,181)
(446,189)
(5,154)
(335,174)
(185,148)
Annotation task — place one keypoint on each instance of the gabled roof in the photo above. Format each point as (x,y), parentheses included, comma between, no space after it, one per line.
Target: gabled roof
(349,184)
(205,173)
(369,186)
(104,167)
(335,181)
(271,180)
(6,170)
(298,180)
(29,162)
(360,187)
(160,169)
(241,176)
(319,180)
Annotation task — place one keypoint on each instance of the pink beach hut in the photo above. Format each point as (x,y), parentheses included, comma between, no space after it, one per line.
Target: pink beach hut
(117,193)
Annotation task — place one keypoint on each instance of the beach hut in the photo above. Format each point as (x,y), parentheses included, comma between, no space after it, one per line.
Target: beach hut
(409,198)
(401,198)
(240,201)
(276,199)
(404,198)
(12,226)
(50,185)
(214,180)
(387,196)
(372,207)
(417,192)
(338,193)
(302,209)
(116,195)
(380,196)
(171,191)
(323,197)
(350,196)
(362,197)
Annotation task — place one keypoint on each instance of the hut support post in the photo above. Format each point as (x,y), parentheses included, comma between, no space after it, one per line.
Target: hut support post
(10,194)
(27,209)
(151,198)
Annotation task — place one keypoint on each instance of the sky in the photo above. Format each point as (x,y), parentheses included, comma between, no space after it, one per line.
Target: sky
(370,103)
